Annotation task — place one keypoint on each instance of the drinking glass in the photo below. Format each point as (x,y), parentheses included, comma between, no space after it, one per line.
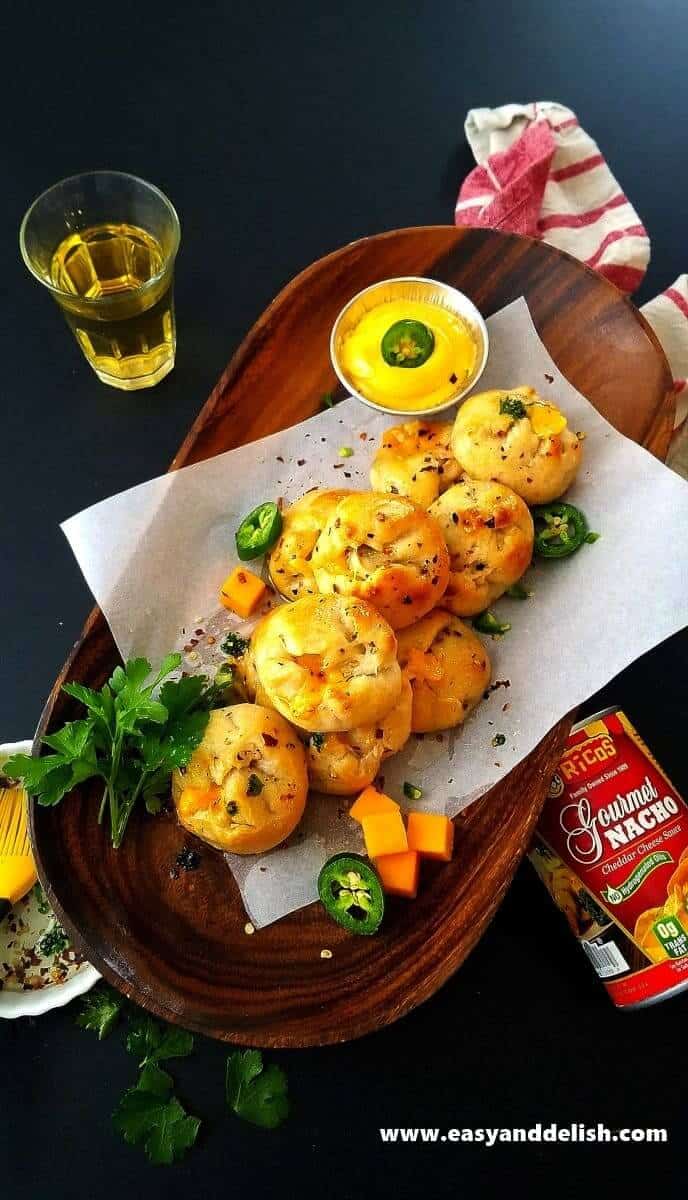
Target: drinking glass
(104,244)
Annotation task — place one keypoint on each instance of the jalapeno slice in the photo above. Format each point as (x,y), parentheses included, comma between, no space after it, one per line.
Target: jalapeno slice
(407,344)
(351,892)
(560,530)
(258,531)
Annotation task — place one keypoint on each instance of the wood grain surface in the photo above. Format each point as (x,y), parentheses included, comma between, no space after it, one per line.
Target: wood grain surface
(177,944)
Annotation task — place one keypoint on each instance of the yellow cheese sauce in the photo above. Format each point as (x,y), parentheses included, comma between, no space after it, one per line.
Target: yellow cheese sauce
(410,389)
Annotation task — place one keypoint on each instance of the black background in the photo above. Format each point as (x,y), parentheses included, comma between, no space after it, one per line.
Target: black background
(281,131)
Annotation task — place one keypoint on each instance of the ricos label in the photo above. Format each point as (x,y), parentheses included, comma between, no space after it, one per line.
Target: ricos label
(612,849)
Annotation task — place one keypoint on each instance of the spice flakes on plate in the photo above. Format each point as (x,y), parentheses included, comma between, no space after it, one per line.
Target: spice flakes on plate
(35,951)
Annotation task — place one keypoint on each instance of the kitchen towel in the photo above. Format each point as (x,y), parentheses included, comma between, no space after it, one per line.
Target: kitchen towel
(540,174)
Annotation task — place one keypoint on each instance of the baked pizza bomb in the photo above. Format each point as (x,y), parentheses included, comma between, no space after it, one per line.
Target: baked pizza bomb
(289,562)
(244,789)
(415,460)
(386,550)
(517,438)
(489,534)
(343,763)
(327,663)
(246,683)
(448,669)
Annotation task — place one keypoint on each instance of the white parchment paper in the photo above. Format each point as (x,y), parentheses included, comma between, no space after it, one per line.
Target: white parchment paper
(154,557)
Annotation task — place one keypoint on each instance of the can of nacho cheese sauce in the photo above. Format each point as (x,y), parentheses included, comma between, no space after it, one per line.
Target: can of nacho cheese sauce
(612,849)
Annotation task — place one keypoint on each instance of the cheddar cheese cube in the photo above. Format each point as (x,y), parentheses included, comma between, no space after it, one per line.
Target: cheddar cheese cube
(242,592)
(371,801)
(384,833)
(431,834)
(399,873)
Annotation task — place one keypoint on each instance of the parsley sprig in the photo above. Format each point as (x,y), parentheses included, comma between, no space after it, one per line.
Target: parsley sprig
(150,1116)
(257,1094)
(100,1011)
(131,739)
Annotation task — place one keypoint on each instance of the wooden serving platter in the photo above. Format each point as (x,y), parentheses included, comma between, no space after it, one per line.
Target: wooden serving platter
(178,946)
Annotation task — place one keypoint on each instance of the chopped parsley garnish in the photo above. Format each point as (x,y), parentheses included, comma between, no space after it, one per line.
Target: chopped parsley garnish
(53,942)
(254,786)
(317,740)
(513,407)
(255,1093)
(234,645)
(499,739)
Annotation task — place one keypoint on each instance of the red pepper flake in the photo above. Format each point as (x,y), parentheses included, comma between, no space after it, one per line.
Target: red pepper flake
(241,577)
(363,436)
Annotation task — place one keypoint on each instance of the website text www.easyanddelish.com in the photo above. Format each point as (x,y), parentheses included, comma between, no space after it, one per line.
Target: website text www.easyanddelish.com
(492,1136)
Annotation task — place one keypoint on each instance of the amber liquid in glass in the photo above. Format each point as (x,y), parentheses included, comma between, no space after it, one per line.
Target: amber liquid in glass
(131,344)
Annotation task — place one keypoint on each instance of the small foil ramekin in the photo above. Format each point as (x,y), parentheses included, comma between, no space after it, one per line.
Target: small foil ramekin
(410,287)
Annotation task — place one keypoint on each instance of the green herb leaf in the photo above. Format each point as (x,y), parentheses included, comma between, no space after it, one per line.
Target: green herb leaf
(317,740)
(70,741)
(129,739)
(345,452)
(180,697)
(100,1011)
(31,771)
(154,1079)
(255,1093)
(151,1042)
(591,537)
(513,407)
(146,1116)
(327,400)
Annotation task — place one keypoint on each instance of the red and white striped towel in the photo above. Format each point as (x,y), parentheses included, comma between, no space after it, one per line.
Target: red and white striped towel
(539,173)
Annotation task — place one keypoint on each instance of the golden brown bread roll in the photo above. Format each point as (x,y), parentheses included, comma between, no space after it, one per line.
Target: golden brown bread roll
(489,534)
(252,767)
(448,668)
(415,460)
(535,453)
(343,763)
(327,663)
(289,563)
(386,550)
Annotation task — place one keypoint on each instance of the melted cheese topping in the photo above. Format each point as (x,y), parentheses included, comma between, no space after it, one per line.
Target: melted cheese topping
(410,389)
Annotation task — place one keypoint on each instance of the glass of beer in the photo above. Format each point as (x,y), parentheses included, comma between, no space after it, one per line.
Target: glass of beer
(104,244)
